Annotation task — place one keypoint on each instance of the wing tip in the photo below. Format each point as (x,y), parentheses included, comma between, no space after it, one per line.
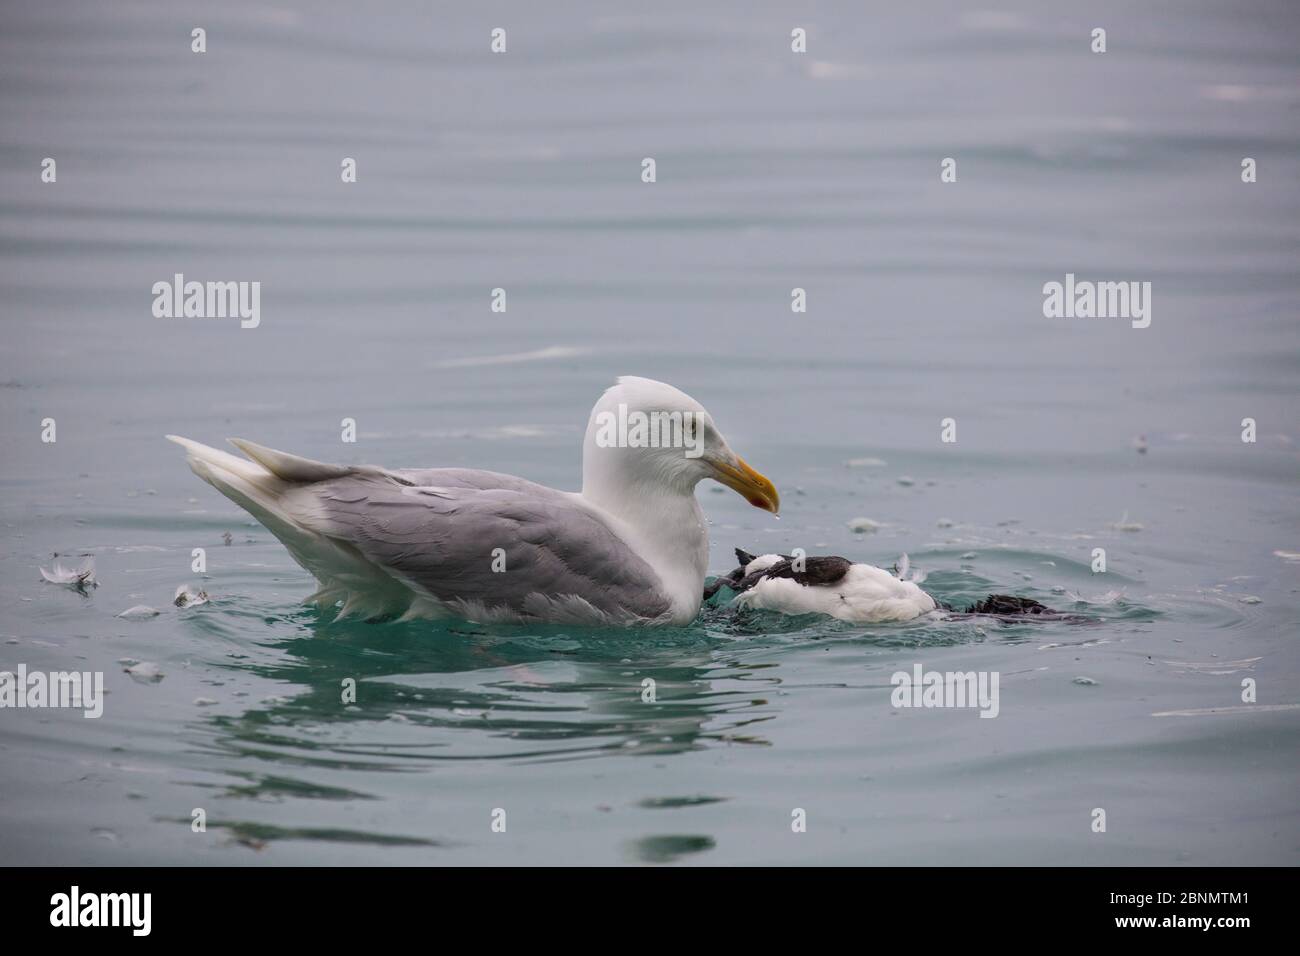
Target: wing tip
(191,446)
(287,466)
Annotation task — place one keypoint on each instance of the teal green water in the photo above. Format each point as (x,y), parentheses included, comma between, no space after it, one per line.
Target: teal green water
(522,172)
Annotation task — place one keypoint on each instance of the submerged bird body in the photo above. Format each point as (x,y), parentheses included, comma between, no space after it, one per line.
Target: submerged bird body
(850,591)
(831,585)
(630,548)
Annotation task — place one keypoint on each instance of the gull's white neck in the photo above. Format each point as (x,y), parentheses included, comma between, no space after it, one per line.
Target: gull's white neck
(661,522)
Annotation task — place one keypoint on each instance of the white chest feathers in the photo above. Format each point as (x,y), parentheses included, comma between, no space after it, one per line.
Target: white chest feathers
(864,595)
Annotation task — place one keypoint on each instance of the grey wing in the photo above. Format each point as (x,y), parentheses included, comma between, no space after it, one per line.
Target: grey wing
(471,478)
(554,554)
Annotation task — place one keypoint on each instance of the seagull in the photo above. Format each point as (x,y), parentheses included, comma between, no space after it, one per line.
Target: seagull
(849,590)
(631,548)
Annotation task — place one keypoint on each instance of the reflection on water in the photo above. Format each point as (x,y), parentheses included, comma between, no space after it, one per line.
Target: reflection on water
(433,693)
(459,691)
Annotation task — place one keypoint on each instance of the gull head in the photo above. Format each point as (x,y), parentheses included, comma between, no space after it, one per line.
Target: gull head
(646,436)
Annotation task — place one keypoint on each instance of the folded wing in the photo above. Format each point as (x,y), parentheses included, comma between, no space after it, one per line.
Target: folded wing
(485,545)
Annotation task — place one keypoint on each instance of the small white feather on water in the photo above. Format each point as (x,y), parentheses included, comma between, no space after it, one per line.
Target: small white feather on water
(1123,524)
(187,596)
(146,672)
(140,612)
(80,576)
(905,573)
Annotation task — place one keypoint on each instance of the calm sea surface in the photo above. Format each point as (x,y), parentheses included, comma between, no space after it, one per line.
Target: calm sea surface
(775,170)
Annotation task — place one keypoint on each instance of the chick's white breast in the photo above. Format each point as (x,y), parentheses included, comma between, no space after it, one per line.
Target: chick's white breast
(866,594)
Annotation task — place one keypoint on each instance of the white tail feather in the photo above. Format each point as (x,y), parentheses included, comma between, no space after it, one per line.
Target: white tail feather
(275,489)
(289,467)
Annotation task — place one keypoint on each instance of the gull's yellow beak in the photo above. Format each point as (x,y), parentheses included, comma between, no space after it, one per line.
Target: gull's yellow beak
(752,486)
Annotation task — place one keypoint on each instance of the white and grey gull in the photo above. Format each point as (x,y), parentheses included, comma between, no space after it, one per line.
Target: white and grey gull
(630,548)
